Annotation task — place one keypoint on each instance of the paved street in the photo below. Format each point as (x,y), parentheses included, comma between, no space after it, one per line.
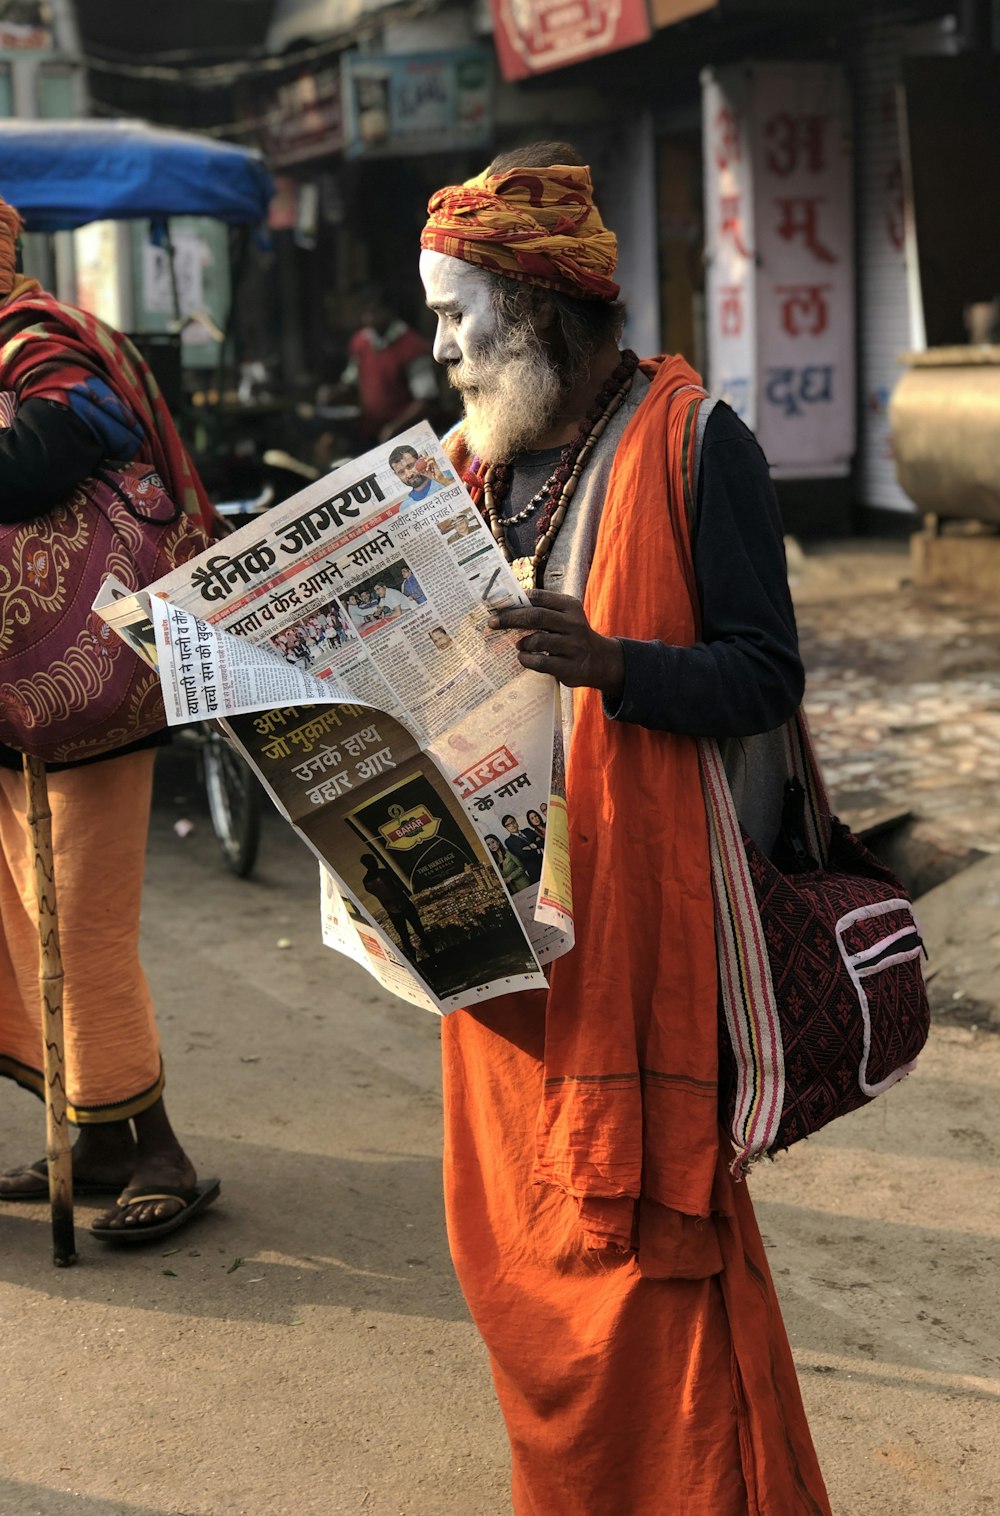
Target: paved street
(305,1352)
(903,694)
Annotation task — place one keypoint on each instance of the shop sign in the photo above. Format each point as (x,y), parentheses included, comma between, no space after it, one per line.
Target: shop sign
(781,260)
(534,36)
(306,120)
(17,38)
(397,104)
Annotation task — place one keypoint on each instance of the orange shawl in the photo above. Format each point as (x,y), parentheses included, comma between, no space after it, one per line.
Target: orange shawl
(631,1057)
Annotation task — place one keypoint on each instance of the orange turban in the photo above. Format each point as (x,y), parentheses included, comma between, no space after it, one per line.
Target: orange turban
(10,230)
(536,224)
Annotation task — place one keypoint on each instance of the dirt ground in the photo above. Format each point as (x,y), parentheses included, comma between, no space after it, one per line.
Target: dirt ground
(304,1350)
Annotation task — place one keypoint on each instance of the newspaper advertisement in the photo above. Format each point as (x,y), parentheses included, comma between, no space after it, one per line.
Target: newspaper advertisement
(343,640)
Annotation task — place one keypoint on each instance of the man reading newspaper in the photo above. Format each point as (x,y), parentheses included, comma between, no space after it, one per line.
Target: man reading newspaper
(614,1268)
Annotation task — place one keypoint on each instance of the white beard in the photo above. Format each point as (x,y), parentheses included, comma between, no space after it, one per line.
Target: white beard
(512,395)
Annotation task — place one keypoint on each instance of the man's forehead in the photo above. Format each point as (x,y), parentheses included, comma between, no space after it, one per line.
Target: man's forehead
(452,282)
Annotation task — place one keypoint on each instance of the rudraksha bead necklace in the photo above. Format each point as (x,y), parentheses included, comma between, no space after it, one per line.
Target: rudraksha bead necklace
(558,490)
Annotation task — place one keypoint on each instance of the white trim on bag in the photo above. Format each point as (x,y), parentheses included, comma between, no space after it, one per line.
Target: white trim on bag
(857,970)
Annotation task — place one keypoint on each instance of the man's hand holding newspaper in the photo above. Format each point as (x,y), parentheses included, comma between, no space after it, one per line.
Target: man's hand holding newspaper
(345,639)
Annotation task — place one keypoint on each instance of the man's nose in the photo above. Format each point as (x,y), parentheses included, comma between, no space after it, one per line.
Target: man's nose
(445,347)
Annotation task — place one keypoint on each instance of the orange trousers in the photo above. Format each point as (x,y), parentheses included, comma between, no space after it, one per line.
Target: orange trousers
(623,1395)
(100,820)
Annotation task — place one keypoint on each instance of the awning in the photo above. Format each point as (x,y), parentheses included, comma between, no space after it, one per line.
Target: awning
(129,31)
(63,174)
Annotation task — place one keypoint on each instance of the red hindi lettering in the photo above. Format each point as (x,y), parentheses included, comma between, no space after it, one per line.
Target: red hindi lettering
(500,761)
(728,148)
(731,310)
(805,310)
(795,142)
(731,222)
(895,209)
(799,220)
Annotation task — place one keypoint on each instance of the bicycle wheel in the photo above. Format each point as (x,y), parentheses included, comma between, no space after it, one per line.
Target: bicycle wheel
(234,803)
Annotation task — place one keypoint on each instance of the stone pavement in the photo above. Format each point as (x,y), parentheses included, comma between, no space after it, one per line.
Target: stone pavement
(903,695)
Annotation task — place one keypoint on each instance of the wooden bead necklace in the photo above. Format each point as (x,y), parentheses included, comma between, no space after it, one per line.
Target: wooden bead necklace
(558,490)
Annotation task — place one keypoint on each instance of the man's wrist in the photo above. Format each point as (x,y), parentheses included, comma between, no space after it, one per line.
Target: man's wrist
(612,678)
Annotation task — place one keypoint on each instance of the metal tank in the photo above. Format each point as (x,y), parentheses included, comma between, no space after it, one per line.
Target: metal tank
(945,420)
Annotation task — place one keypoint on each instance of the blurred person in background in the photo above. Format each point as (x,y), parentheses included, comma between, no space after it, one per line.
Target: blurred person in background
(391,371)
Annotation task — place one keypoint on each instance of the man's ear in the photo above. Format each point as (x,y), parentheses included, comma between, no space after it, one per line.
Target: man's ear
(545,317)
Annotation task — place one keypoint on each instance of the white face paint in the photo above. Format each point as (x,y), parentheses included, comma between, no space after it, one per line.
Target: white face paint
(504,372)
(459,295)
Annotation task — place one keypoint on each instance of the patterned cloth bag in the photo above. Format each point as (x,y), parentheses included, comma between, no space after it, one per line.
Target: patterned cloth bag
(822,993)
(69,687)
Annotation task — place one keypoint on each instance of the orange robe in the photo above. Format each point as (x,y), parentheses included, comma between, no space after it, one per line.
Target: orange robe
(611,1264)
(100,819)
(623,1395)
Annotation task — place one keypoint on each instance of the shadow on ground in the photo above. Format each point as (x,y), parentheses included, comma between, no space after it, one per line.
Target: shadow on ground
(307,1230)
(36,1500)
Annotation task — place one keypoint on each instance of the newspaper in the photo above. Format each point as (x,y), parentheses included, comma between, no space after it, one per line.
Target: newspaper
(343,641)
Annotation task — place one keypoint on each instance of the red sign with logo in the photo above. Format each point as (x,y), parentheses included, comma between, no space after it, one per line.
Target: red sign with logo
(534,36)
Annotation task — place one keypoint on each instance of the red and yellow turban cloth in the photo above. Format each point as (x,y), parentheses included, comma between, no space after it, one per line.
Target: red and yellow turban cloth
(539,225)
(10,230)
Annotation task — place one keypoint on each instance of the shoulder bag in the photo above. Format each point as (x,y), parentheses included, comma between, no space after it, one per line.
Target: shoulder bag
(70,688)
(823,1004)
(821,991)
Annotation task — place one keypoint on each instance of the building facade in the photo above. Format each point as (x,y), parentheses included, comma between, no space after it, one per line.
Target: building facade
(763,163)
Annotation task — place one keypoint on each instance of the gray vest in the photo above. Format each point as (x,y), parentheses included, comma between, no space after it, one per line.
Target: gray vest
(756,766)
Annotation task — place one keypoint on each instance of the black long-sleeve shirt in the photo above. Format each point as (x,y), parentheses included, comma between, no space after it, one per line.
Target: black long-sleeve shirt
(43,457)
(745,676)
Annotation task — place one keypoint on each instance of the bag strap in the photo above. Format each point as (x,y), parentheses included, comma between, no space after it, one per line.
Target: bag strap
(800,755)
(746,986)
(804,766)
(113,484)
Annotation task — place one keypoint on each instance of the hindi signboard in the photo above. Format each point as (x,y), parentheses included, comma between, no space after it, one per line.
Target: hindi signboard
(535,36)
(779,193)
(417,102)
(26,28)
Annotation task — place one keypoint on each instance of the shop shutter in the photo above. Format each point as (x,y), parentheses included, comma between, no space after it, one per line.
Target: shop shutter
(883,293)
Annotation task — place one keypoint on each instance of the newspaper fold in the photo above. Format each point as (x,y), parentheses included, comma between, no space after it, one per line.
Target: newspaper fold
(342,639)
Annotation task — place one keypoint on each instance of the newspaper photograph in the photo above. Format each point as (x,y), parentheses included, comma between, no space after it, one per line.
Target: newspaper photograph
(343,641)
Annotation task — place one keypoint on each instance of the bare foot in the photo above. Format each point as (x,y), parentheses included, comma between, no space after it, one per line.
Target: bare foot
(148,1178)
(103,1155)
(160,1163)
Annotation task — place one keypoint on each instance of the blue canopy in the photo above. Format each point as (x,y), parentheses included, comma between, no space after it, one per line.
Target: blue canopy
(62,174)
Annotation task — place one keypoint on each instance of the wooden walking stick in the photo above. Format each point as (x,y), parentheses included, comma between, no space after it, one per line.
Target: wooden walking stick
(50,982)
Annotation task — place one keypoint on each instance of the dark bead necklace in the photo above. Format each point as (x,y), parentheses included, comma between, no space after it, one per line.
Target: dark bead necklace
(558,490)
